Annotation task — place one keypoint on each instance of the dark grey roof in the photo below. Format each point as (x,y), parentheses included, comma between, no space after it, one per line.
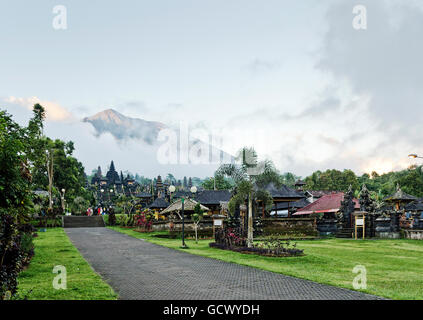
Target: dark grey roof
(400,195)
(181,193)
(159,203)
(414,206)
(208,197)
(297,204)
(300,183)
(284,192)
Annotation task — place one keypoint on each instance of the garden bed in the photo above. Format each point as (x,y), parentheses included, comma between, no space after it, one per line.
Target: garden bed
(289,238)
(179,235)
(272,252)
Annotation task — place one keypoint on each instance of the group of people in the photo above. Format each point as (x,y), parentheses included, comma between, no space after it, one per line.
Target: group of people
(98,211)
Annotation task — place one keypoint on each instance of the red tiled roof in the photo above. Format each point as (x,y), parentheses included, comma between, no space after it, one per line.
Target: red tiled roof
(319,193)
(327,203)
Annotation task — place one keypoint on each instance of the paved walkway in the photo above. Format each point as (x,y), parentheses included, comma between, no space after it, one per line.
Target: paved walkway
(137,269)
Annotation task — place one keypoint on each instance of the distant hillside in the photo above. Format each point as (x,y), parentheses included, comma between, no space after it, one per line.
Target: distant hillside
(123,127)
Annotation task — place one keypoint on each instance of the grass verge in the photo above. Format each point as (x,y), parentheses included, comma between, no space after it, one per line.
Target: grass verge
(53,248)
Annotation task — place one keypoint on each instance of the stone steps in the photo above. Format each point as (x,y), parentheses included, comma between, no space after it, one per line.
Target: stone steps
(82,222)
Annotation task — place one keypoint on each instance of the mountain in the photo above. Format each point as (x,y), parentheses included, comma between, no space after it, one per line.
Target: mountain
(189,156)
(123,127)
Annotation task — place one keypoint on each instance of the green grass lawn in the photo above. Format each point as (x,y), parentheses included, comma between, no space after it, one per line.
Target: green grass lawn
(394,267)
(54,248)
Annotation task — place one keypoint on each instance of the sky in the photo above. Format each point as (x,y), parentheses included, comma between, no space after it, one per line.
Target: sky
(294,79)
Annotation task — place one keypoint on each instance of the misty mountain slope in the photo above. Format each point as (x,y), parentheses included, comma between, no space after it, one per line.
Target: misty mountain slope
(123,127)
(171,152)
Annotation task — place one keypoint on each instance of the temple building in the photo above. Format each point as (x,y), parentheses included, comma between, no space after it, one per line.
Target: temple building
(97,177)
(111,175)
(285,200)
(327,204)
(116,182)
(212,199)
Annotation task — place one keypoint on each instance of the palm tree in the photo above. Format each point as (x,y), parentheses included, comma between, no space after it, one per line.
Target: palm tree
(250,177)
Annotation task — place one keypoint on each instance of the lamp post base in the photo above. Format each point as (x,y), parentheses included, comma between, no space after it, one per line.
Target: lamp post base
(184,246)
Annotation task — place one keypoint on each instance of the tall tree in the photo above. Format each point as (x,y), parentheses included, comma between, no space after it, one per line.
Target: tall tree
(217,183)
(249,176)
(171,178)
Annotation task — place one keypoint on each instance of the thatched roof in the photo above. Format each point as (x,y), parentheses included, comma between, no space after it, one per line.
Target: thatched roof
(400,195)
(414,206)
(159,203)
(189,205)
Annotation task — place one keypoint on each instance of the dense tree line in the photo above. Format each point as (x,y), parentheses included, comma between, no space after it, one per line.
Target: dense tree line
(332,180)
(379,186)
(30,161)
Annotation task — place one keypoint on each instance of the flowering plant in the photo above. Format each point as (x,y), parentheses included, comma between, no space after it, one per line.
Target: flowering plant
(144,220)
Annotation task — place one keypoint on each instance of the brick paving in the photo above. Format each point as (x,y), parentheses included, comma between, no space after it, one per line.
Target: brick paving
(137,269)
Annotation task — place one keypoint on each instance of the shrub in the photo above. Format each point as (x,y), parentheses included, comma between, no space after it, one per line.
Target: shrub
(112,218)
(144,220)
(10,255)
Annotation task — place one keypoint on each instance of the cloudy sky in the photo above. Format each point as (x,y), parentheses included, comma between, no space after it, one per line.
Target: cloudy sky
(294,79)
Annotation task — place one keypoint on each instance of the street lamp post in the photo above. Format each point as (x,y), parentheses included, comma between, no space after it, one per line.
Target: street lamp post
(193,191)
(110,200)
(63,200)
(101,199)
(183,225)
(171,190)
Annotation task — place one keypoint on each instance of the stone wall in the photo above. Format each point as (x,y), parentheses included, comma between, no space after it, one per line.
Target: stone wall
(292,226)
(414,234)
(327,226)
(177,225)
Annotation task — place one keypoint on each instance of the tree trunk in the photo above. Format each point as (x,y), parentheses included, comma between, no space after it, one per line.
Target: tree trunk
(250,221)
(50,178)
(196,237)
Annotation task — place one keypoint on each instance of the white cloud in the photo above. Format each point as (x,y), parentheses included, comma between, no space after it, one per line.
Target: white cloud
(54,111)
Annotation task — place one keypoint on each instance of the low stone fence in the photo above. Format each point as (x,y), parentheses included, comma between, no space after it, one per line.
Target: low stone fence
(287,226)
(294,226)
(205,228)
(177,225)
(413,234)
